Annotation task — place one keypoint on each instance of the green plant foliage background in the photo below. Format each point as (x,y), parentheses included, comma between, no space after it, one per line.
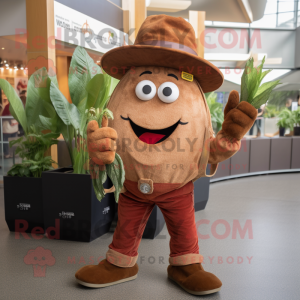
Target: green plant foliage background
(216,111)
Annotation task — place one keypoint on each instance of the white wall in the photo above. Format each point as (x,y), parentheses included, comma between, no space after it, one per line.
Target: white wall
(12,16)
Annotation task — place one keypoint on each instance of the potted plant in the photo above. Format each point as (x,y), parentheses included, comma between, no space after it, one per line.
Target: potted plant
(285,121)
(23,183)
(270,111)
(296,119)
(73,205)
(77,204)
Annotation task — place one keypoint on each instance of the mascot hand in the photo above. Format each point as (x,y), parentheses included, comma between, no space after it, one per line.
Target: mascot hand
(239,117)
(101,143)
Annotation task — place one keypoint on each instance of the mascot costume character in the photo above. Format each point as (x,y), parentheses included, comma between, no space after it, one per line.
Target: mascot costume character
(162,121)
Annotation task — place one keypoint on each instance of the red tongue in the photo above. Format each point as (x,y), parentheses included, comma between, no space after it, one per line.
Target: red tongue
(151,138)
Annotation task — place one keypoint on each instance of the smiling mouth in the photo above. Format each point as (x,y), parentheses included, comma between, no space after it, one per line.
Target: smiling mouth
(152,136)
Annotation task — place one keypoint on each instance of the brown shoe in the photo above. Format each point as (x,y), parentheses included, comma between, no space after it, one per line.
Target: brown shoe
(194,280)
(105,274)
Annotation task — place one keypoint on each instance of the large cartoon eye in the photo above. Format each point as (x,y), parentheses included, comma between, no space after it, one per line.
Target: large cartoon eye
(145,90)
(168,92)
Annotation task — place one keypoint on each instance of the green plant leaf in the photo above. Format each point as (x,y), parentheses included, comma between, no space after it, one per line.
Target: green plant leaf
(113,84)
(16,106)
(38,101)
(14,142)
(244,81)
(68,112)
(68,133)
(107,113)
(216,110)
(97,178)
(82,70)
(264,74)
(96,89)
(116,173)
(296,116)
(263,93)
(77,162)
(33,168)
(260,75)
(253,81)
(51,135)
(286,119)
(22,171)
(14,171)
(48,123)
(83,124)
(251,91)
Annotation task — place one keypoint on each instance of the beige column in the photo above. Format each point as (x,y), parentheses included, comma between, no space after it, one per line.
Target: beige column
(62,73)
(140,14)
(41,41)
(40,34)
(128,7)
(126,25)
(134,14)
(197,19)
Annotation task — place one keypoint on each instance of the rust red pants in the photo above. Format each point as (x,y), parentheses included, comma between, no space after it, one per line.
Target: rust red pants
(177,207)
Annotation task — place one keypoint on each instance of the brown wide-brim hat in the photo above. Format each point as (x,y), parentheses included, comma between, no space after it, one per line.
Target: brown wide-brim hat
(164,41)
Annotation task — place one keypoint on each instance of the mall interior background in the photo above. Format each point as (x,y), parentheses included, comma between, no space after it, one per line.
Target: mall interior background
(233,33)
(274,33)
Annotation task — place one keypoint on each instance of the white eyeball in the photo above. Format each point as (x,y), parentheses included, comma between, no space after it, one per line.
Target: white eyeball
(168,92)
(145,90)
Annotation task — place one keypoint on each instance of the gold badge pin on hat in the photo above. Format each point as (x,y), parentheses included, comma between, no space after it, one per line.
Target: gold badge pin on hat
(187,76)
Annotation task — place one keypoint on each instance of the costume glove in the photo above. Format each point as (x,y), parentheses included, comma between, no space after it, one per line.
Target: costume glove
(101,142)
(239,117)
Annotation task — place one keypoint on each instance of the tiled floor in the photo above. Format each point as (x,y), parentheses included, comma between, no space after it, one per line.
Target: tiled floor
(263,266)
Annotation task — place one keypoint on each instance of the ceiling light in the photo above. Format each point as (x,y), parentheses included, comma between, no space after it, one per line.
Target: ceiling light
(3,48)
(15,67)
(6,65)
(5,61)
(22,68)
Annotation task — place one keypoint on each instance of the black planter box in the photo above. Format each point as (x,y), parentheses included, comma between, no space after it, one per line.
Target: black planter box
(71,209)
(281,131)
(297,130)
(201,193)
(23,204)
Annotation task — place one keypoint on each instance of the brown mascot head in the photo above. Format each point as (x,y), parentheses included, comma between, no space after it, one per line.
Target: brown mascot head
(160,112)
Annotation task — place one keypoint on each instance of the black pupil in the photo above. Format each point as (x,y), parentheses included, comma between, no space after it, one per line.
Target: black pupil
(147,89)
(167,91)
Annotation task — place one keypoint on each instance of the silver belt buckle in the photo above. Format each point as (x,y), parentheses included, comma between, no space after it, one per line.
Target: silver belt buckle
(145,186)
